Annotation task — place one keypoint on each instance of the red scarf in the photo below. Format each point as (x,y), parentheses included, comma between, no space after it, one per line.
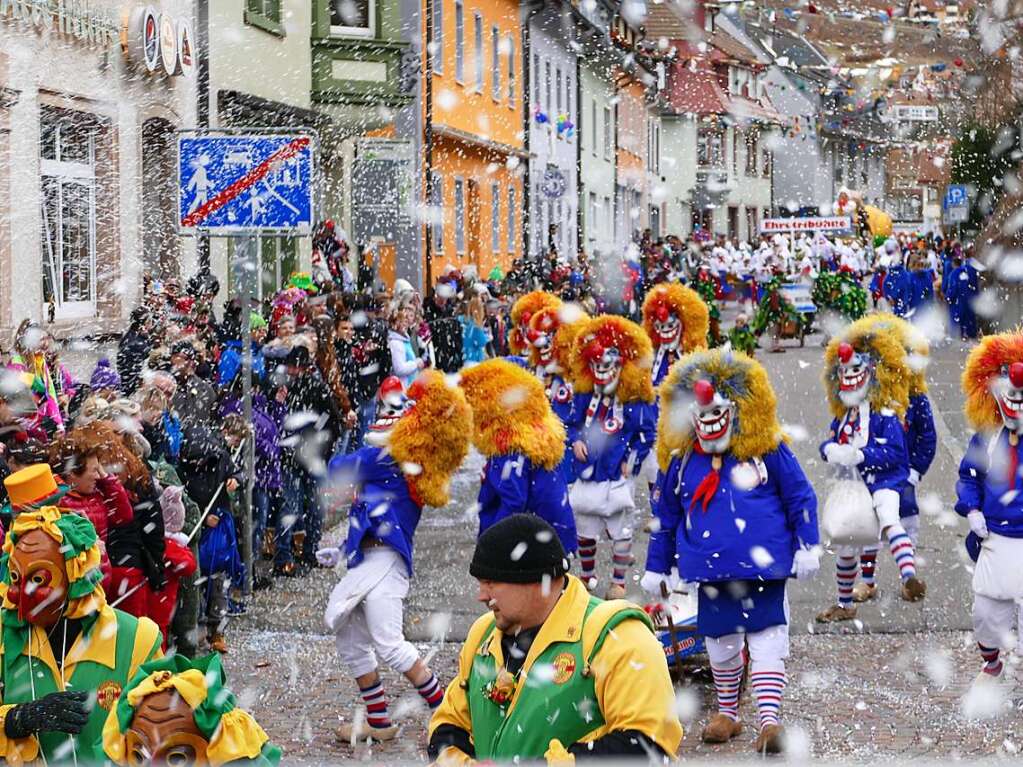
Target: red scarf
(1013,460)
(709,484)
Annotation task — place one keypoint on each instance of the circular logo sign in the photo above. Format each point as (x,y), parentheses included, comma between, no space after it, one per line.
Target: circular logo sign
(168,44)
(564,667)
(186,53)
(150,34)
(107,694)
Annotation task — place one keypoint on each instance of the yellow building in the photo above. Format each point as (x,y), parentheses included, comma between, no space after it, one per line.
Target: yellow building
(473,106)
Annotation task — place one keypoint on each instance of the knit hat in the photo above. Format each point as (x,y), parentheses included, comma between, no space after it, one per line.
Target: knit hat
(256,321)
(104,376)
(233,735)
(521,548)
(173,507)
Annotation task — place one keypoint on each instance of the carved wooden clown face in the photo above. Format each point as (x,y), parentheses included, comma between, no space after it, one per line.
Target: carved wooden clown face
(667,327)
(541,337)
(1007,390)
(39,582)
(713,418)
(391,406)
(163,732)
(854,375)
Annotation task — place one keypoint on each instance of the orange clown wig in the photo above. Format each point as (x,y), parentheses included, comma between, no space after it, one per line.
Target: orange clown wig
(985,363)
(687,305)
(522,312)
(606,331)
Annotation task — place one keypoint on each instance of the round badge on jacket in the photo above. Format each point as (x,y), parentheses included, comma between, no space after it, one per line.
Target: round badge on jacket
(564,667)
(107,694)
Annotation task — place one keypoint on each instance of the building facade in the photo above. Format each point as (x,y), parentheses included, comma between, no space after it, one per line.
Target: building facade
(88,158)
(597,169)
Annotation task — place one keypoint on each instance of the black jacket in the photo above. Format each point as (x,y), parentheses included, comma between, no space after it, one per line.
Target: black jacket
(365,362)
(132,352)
(312,424)
(446,335)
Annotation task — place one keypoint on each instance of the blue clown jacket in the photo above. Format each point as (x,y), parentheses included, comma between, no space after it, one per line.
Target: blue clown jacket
(921,444)
(984,483)
(885,461)
(611,442)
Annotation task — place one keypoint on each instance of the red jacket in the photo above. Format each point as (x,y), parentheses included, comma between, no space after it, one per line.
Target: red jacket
(106,508)
(179,562)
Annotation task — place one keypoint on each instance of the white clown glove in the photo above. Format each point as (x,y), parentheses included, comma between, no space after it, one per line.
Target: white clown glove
(329,557)
(978,525)
(806,563)
(651,583)
(840,455)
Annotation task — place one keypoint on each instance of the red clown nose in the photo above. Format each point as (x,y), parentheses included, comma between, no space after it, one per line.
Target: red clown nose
(662,313)
(1016,374)
(704,391)
(845,352)
(532,334)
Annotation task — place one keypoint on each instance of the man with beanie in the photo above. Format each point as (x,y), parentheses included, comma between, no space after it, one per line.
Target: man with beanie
(551,671)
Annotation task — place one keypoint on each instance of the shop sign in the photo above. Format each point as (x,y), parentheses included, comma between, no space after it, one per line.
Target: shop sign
(79,19)
(151,39)
(186,51)
(169,44)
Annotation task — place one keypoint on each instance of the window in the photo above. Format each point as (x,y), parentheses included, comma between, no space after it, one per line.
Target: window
(547,87)
(733,222)
(594,214)
(68,211)
(478,39)
(459,216)
(495,64)
(438,36)
(278,257)
(608,217)
(351,18)
(653,138)
(593,127)
(735,151)
(437,212)
(568,94)
(495,218)
(751,154)
(265,14)
(751,223)
(511,71)
(839,169)
(766,164)
(536,81)
(710,148)
(512,220)
(459,42)
(608,143)
(557,88)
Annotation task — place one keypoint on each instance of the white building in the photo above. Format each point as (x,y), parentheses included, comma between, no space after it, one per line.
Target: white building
(597,156)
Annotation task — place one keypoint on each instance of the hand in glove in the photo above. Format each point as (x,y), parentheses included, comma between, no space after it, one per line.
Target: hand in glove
(978,525)
(56,712)
(806,563)
(558,756)
(329,557)
(651,583)
(842,455)
(453,757)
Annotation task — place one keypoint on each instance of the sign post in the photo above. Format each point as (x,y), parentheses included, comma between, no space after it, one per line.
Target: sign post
(247,185)
(956,204)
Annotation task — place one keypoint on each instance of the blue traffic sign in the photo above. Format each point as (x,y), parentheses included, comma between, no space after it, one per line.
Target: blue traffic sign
(955,197)
(242,183)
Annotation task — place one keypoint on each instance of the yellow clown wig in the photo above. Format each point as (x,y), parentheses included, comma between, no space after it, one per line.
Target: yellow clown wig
(522,312)
(891,376)
(917,348)
(687,305)
(564,321)
(736,377)
(431,440)
(985,363)
(608,330)
(511,413)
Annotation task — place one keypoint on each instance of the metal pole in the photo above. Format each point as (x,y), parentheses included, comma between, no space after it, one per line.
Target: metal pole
(202,39)
(246,252)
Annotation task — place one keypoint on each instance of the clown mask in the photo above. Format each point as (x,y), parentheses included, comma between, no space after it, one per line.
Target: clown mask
(854,376)
(1007,390)
(667,327)
(392,404)
(163,732)
(606,369)
(39,581)
(713,418)
(541,338)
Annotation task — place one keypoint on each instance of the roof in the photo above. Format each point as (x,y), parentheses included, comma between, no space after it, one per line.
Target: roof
(695,89)
(669,19)
(732,49)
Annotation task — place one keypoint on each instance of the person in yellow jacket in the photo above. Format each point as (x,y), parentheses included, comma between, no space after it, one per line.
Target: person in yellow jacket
(551,671)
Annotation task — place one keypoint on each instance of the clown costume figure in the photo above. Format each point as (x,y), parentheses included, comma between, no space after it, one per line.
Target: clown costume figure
(522,312)
(611,430)
(866,377)
(988,496)
(738,517)
(418,443)
(921,442)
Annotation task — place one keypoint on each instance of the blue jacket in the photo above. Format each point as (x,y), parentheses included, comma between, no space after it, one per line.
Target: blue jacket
(983,484)
(963,286)
(667,361)
(885,461)
(474,341)
(921,282)
(562,401)
(511,484)
(743,533)
(898,289)
(921,444)
(383,507)
(611,444)
(230,363)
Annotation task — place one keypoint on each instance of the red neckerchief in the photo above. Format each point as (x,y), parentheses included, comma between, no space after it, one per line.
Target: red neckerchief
(709,484)
(853,422)
(1013,460)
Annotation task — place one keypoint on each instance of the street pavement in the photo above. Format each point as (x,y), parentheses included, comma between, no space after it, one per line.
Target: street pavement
(885,686)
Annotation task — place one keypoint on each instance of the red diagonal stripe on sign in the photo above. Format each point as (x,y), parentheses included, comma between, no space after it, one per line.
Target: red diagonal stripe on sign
(221,198)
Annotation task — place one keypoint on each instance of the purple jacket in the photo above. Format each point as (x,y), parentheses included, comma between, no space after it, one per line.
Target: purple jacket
(267,420)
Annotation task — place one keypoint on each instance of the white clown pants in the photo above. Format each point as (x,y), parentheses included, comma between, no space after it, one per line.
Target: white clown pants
(994,621)
(371,628)
(765,647)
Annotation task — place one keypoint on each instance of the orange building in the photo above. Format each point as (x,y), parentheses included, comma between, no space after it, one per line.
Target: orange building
(474,112)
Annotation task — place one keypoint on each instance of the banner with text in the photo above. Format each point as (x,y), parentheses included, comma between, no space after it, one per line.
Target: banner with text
(806,224)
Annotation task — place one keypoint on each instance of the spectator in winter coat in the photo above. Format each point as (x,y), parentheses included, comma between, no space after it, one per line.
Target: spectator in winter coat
(231,357)
(366,361)
(445,330)
(178,562)
(104,381)
(404,362)
(133,350)
(195,400)
(474,333)
(30,346)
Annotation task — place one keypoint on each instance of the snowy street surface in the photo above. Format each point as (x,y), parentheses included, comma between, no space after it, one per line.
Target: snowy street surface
(886,686)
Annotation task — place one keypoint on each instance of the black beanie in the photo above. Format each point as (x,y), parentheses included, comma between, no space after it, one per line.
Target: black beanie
(521,548)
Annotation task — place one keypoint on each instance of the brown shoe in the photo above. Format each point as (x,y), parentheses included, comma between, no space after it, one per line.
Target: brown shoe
(913,589)
(864,592)
(218,644)
(720,729)
(349,732)
(836,613)
(769,741)
(615,591)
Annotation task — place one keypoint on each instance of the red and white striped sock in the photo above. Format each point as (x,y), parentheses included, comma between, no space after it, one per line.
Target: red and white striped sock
(431,691)
(845,576)
(902,549)
(768,682)
(992,665)
(868,564)
(376,705)
(621,559)
(726,683)
(587,558)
